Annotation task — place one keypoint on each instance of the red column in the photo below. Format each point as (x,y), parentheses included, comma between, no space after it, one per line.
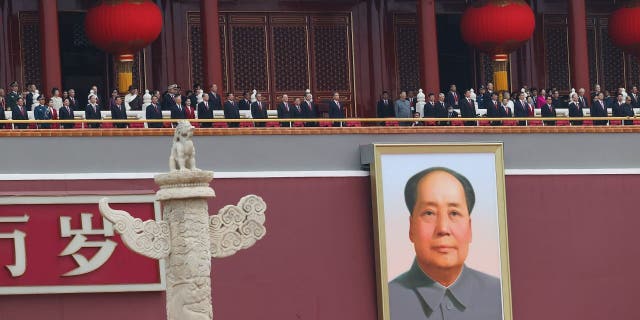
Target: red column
(211,44)
(579,56)
(428,42)
(49,46)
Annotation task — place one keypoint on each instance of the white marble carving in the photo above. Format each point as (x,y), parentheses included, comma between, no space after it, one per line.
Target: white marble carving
(146,99)
(188,237)
(35,103)
(237,227)
(149,238)
(253,96)
(183,154)
(421,102)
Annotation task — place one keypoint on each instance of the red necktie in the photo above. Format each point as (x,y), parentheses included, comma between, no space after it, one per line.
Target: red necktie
(455,97)
(260,106)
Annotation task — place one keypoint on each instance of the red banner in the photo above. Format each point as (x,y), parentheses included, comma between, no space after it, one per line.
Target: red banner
(62,245)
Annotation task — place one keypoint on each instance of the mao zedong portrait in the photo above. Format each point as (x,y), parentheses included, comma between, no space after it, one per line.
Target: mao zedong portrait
(439,285)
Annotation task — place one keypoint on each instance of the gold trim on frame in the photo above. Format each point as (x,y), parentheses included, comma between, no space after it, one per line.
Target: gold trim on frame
(378,205)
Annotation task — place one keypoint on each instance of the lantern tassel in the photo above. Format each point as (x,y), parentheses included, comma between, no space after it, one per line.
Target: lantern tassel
(500,72)
(125,72)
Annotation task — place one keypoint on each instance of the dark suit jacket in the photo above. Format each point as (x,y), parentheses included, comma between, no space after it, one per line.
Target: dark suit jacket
(259,112)
(430,110)
(584,102)
(153,114)
(283,112)
(441,110)
(635,100)
(167,102)
(548,112)
(467,109)
(205,112)
(64,115)
(119,112)
(17,115)
(29,101)
(231,111)
(296,112)
(136,104)
(89,114)
(450,100)
(244,104)
(335,111)
(599,110)
(385,110)
(575,111)
(73,103)
(309,111)
(178,112)
(493,111)
(505,112)
(215,101)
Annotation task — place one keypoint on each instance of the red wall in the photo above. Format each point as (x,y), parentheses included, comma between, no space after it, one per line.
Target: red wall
(572,254)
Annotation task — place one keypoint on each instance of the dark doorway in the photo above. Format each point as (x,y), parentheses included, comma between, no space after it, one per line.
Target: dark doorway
(83,65)
(455,56)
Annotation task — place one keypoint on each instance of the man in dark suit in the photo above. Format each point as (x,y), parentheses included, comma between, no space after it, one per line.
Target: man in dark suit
(384,108)
(231,111)
(467,108)
(32,89)
(245,103)
(557,103)
(618,106)
(575,110)
(284,110)
(19,112)
(309,110)
(154,113)
(92,112)
(259,110)
(582,99)
(635,97)
(411,97)
(627,111)
(119,112)
(73,101)
(214,98)
(177,109)
(452,98)
(493,109)
(441,109)
(66,113)
(296,111)
(521,108)
(598,109)
(336,110)
(548,111)
(205,111)
(505,110)
(430,106)
(488,93)
(169,97)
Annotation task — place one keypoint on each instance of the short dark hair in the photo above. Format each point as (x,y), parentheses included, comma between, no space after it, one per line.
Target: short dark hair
(411,188)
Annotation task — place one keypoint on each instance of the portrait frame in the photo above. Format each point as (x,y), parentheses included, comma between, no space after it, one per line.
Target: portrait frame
(384,157)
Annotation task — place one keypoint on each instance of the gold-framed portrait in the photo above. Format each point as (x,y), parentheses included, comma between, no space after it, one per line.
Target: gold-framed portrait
(440,229)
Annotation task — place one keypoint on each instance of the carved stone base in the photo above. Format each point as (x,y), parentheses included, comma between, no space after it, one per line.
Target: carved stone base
(184,184)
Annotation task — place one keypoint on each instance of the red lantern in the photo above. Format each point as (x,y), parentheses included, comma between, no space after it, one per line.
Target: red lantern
(624,28)
(122,28)
(498,27)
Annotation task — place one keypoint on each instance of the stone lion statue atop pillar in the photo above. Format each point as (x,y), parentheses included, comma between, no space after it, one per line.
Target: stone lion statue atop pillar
(183,153)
